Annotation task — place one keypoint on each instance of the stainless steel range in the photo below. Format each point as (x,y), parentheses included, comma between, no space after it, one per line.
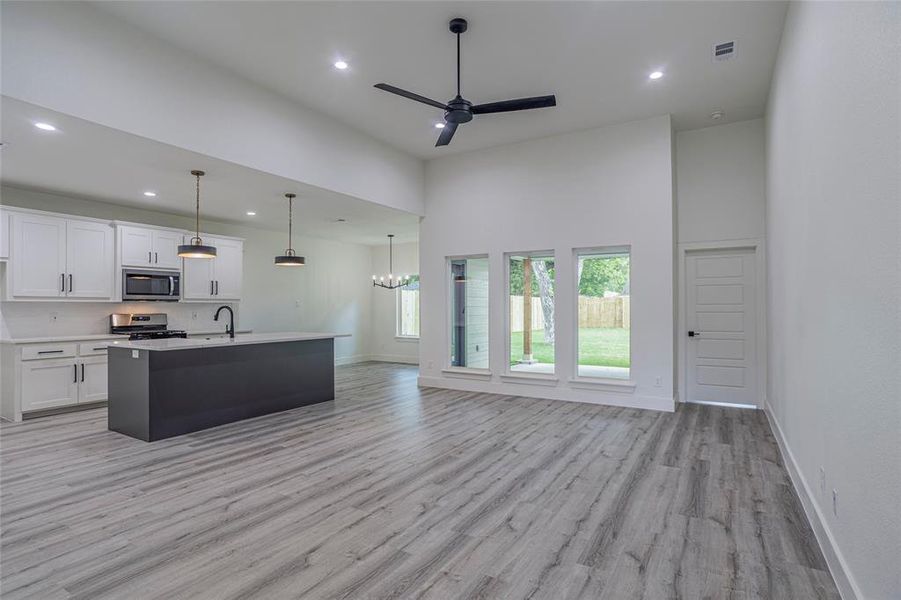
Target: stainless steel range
(149,326)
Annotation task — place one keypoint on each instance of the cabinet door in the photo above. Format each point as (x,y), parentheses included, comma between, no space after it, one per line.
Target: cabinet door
(49,383)
(137,246)
(4,234)
(229,269)
(92,379)
(197,278)
(38,256)
(165,249)
(89,260)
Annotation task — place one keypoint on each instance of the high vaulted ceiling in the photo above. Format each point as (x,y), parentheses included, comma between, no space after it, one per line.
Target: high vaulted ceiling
(595,56)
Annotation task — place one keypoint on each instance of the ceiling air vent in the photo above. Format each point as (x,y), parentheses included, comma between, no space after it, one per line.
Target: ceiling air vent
(723,51)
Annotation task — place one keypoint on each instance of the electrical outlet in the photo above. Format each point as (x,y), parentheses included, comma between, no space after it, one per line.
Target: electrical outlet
(822,480)
(835,503)
(54,317)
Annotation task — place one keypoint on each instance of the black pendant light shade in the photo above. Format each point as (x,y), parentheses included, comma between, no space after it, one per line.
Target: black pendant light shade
(290,258)
(196,248)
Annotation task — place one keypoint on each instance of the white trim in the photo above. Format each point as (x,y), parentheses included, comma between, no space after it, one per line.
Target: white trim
(835,560)
(758,245)
(394,358)
(530,378)
(559,394)
(507,325)
(468,373)
(449,305)
(406,338)
(574,265)
(33,211)
(625,386)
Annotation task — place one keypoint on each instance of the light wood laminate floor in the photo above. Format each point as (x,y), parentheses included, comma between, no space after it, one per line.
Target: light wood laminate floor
(392,491)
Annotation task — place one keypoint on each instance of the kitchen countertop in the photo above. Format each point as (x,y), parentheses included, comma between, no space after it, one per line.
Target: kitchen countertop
(239,340)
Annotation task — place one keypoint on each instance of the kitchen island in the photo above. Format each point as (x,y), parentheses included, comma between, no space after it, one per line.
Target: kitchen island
(168,387)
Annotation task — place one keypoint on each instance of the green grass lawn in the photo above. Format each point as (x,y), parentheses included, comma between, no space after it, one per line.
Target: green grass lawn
(599,347)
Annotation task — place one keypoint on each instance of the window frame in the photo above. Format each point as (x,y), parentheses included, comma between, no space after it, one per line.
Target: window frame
(509,374)
(626,382)
(448,368)
(398,316)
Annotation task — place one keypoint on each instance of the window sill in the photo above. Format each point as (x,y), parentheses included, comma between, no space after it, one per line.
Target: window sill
(624,386)
(467,373)
(406,338)
(530,378)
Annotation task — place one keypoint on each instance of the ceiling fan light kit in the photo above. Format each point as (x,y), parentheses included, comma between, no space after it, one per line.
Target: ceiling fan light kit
(459,110)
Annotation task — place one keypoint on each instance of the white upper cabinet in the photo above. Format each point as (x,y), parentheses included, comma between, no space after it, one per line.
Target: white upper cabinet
(89,260)
(54,257)
(4,234)
(38,266)
(219,278)
(145,247)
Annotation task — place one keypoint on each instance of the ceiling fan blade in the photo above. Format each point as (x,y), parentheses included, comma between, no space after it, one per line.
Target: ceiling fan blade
(411,95)
(446,134)
(518,104)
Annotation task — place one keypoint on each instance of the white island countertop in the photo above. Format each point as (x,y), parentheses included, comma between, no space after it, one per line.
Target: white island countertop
(239,340)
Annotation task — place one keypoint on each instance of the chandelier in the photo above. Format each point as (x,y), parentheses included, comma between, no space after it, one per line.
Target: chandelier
(392,282)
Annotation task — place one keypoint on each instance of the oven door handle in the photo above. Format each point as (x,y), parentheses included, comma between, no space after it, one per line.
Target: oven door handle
(171,285)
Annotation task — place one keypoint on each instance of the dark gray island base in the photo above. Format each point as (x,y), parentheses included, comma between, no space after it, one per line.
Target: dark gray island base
(178,387)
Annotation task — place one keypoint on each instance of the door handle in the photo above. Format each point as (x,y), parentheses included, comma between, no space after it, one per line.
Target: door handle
(70,282)
(694,334)
(82,372)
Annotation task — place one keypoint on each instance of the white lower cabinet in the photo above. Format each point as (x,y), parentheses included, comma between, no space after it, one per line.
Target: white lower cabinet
(92,381)
(49,383)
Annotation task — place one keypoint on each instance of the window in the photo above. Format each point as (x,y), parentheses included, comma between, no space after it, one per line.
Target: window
(469,312)
(531,290)
(604,313)
(408,309)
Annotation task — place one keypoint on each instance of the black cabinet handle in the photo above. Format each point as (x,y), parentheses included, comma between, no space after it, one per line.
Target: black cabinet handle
(217,287)
(62,282)
(75,379)
(211,287)
(100,348)
(149,256)
(70,282)
(49,351)
(156,257)
(82,372)
(694,334)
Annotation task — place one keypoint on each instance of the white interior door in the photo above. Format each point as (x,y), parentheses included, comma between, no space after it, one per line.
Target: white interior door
(89,260)
(722,327)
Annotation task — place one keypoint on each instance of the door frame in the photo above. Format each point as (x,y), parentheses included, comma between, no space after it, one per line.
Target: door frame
(758,247)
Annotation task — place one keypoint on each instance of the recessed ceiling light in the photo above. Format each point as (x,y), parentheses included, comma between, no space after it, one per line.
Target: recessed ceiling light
(45,126)
(340,65)
(150,194)
(250,213)
(655,75)
(439,125)
(340,220)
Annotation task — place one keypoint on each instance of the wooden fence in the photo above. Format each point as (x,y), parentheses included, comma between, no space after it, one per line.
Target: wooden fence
(594,312)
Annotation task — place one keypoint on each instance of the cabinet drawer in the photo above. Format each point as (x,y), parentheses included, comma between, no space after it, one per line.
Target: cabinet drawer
(97,348)
(48,351)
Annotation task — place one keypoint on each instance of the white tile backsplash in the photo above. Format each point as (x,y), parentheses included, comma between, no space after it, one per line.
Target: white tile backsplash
(36,319)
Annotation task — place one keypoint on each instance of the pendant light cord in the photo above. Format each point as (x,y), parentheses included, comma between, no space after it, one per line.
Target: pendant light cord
(290,221)
(458,64)
(197,207)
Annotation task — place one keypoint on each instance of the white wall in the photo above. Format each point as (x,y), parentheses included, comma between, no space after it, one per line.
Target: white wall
(78,60)
(721,182)
(384,344)
(834,242)
(601,187)
(331,293)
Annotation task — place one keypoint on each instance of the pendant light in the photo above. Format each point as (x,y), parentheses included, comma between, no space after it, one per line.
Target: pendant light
(392,283)
(197,249)
(289,258)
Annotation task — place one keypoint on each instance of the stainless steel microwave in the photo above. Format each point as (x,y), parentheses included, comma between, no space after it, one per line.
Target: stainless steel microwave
(144,284)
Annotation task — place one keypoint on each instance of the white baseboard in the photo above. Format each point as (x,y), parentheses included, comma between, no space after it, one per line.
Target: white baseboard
(544,392)
(838,566)
(350,360)
(395,358)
